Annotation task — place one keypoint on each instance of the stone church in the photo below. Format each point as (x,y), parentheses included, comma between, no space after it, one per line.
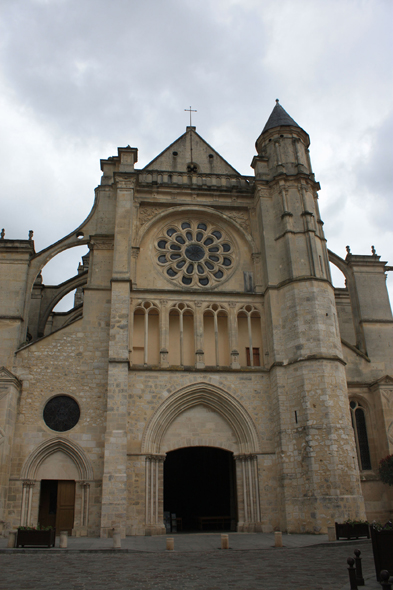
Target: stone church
(209,376)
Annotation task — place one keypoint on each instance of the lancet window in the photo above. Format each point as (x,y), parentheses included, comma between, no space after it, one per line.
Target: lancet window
(216,335)
(249,336)
(181,335)
(358,418)
(146,334)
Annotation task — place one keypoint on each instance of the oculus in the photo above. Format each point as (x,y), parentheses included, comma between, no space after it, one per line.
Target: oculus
(61,413)
(194,253)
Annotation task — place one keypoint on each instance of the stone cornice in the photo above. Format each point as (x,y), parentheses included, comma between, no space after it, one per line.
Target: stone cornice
(295,280)
(11,317)
(309,357)
(101,242)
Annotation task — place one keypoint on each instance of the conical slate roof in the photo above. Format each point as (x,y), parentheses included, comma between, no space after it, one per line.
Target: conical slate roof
(278,118)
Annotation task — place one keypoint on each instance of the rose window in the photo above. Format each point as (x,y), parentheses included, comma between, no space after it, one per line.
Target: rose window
(195,253)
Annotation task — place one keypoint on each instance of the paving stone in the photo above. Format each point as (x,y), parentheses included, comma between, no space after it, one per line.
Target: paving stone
(304,563)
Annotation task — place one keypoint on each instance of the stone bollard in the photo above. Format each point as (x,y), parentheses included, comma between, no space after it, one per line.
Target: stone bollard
(352,574)
(358,566)
(170,543)
(331,533)
(224,542)
(278,539)
(11,539)
(63,539)
(116,540)
(386,583)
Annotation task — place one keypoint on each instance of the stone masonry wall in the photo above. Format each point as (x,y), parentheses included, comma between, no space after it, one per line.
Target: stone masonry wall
(148,389)
(72,361)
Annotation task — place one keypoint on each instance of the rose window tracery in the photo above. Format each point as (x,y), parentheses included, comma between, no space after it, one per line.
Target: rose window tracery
(195,253)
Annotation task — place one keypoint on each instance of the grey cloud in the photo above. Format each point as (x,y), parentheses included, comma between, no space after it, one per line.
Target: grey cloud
(82,78)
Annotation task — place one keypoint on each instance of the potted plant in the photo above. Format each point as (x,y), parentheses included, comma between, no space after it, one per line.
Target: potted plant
(36,536)
(352,529)
(382,541)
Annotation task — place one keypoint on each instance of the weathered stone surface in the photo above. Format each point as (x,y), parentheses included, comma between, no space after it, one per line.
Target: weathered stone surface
(261,360)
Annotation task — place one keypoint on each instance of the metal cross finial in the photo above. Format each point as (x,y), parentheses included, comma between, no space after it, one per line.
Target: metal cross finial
(190,110)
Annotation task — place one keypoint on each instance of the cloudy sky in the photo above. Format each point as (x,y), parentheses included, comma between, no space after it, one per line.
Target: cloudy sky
(78,78)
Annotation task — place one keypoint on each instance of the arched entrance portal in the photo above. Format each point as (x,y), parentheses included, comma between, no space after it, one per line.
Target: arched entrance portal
(200,489)
(202,415)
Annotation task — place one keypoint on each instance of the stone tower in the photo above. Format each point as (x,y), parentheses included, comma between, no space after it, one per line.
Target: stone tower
(308,382)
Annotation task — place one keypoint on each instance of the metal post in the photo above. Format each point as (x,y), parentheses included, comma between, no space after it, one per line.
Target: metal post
(386,583)
(358,566)
(352,573)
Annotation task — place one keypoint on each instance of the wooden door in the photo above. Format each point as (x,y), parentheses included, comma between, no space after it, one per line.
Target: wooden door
(65,506)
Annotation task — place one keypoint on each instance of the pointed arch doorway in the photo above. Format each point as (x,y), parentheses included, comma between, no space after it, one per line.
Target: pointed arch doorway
(200,489)
(202,415)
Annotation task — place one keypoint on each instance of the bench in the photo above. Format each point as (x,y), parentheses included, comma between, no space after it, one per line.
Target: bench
(222,522)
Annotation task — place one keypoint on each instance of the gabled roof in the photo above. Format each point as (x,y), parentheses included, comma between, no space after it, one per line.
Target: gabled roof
(279,118)
(177,156)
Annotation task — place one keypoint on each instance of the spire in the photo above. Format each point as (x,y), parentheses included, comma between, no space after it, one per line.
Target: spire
(278,118)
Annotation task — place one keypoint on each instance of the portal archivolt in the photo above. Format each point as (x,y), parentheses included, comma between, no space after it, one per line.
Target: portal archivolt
(211,396)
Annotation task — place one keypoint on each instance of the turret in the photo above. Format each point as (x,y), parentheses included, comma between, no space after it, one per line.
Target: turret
(293,227)
(309,390)
(282,147)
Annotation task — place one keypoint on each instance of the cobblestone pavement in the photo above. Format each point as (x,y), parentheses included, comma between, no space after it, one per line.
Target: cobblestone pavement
(316,567)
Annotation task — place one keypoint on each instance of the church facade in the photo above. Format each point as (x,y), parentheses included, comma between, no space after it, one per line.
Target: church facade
(209,375)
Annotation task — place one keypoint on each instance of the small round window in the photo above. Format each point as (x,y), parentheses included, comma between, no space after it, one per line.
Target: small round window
(61,413)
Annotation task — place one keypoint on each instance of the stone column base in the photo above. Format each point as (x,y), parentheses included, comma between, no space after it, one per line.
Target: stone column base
(158,529)
(249,527)
(107,532)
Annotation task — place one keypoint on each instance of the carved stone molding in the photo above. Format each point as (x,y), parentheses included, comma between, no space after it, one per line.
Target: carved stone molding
(147,213)
(125,183)
(390,432)
(263,192)
(388,396)
(241,218)
(52,445)
(7,378)
(102,243)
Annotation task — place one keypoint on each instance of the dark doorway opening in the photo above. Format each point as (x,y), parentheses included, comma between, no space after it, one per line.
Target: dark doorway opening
(57,504)
(200,489)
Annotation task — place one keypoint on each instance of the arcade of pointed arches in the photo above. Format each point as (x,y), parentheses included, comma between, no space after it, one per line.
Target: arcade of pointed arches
(195,333)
